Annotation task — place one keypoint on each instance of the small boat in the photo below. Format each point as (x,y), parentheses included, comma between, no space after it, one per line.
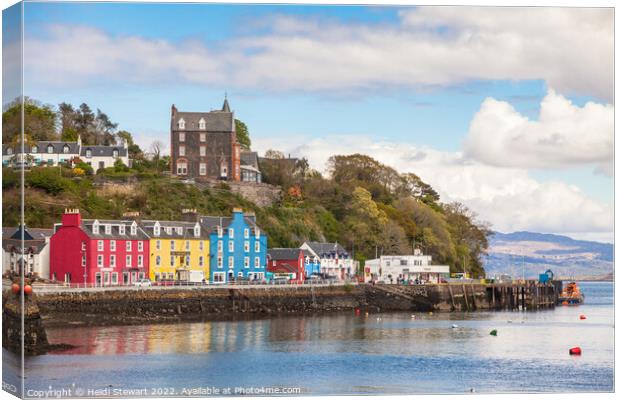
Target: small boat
(571,295)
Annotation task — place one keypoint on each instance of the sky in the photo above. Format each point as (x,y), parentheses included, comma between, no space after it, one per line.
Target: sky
(507,110)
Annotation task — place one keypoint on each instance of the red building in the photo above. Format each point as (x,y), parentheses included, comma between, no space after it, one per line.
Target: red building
(286,263)
(98,252)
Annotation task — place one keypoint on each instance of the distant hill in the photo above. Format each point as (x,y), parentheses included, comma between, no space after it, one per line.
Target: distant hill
(512,253)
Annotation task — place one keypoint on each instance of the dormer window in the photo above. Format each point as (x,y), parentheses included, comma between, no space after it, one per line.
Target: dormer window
(156,229)
(134,229)
(168,230)
(179,230)
(196,230)
(50,149)
(121,229)
(96,227)
(220,231)
(35,149)
(89,153)
(9,150)
(65,149)
(181,123)
(108,229)
(202,124)
(115,153)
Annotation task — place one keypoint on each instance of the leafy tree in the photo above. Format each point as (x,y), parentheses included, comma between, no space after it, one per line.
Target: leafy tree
(85,124)
(39,121)
(243,135)
(67,116)
(105,129)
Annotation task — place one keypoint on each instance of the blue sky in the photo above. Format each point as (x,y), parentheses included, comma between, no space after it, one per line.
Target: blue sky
(307,79)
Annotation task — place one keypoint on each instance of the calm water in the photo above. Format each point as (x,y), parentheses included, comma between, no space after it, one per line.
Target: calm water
(345,354)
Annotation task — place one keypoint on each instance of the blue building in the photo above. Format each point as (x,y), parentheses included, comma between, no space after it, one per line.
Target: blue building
(312,264)
(238,247)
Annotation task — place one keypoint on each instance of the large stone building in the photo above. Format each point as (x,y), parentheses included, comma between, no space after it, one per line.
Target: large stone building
(204,144)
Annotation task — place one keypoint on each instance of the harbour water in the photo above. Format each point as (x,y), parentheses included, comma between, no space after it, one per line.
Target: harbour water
(388,353)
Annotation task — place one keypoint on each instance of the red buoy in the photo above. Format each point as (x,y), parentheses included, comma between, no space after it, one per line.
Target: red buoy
(27,290)
(582,316)
(575,351)
(15,288)
(357,311)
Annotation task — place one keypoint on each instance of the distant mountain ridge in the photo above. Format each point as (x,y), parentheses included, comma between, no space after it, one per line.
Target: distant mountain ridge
(530,253)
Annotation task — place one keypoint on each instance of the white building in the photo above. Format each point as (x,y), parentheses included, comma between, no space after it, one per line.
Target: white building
(35,255)
(333,258)
(391,269)
(52,153)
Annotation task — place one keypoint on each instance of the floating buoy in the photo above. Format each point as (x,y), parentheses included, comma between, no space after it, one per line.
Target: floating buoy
(454,326)
(430,313)
(366,313)
(565,303)
(357,311)
(582,316)
(575,351)
(493,332)
(27,290)
(412,316)
(15,288)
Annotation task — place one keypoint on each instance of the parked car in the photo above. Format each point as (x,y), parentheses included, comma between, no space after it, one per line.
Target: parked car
(142,282)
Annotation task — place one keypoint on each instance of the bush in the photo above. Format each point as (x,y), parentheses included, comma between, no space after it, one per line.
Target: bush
(10,178)
(88,170)
(47,179)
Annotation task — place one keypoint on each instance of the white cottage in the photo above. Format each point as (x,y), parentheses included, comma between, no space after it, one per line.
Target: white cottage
(410,268)
(334,260)
(35,255)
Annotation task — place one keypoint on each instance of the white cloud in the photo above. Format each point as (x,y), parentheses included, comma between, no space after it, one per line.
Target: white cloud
(507,197)
(564,135)
(570,48)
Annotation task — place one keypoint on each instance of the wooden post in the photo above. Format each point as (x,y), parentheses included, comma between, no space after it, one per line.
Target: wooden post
(465,296)
(451,297)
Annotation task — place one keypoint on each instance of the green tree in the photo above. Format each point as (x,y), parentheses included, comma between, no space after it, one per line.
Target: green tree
(39,121)
(243,135)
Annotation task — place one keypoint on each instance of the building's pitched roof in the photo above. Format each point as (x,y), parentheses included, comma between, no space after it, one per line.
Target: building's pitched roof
(215,121)
(87,227)
(284,253)
(226,106)
(34,239)
(210,223)
(42,146)
(103,151)
(186,233)
(249,158)
(282,268)
(327,249)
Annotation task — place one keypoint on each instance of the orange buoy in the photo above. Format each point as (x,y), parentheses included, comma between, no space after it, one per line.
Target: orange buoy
(575,351)
(565,303)
(582,316)
(15,288)
(27,290)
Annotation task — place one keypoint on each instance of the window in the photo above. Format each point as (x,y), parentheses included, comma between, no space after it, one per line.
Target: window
(83,261)
(240,274)
(158,261)
(187,245)
(128,245)
(128,261)
(220,246)
(89,153)
(203,168)
(100,260)
(256,245)
(182,137)
(403,262)
(181,123)
(96,228)
(179,230)
(140,275)
(203,151)
(197,233)
(203,137)
(256,262)
(107,228)
(186,260)
(181,167)
(246,233)
(121,230)
(231,246)
(115,153)
(168,230)
(35,149)
(65,149)
(182,151)
(231,262)
(246,262)
(219,232)
(156,230)
(172,259)
(9,151)
(202,124)
(201,261)
(170,276)
(231,233)
(134,229)
(50,149)
(112,261)
(112,245)
(114,278)
(257,232)
(201,245)
(157,276)
(219,277)
(220,262)
(246,246)
(140,246)
(172,244)
(158,244)
(83,246)
(99,245)
(140,257)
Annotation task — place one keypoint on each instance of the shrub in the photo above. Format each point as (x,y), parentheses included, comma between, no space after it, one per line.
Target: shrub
(47,179)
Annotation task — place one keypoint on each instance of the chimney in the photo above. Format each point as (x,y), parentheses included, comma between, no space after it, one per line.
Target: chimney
(189,215)
(71,217)
(173,110)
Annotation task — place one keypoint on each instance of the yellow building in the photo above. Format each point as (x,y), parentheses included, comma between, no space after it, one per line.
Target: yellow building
(179,251)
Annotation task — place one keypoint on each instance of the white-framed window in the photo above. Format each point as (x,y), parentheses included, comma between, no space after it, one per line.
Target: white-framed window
(134,229)
(201,245)
(112,245)
(203,151)
(89,153)
(197,232)
(140,275)
(169,230)
(114,278)
(231,246)
(172,260)
(246,262)
(220,231)
(128,245)
(112,261)
(182,150)
(181,167)
(220,262)
(231,262)
(256,262)
(202,124)
(187,260)
(203,137)
(203,168)
(115,153)
(140,246)
(96,228)
(220,246)
(187,245)
(158,261)
(121,229)
(172,245)
(107,228)
(231,233)
(201,261)
(219,277)
(83,246)
(181,136)
(100,260)
(83,260)
(239,274)
(181,123)
(257,245)
(128,261)
(65,149)
(50,149)
(35,149)
(246,246)
(140,259)
(246,233)
(158,244)
(99,245)
(156,230)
